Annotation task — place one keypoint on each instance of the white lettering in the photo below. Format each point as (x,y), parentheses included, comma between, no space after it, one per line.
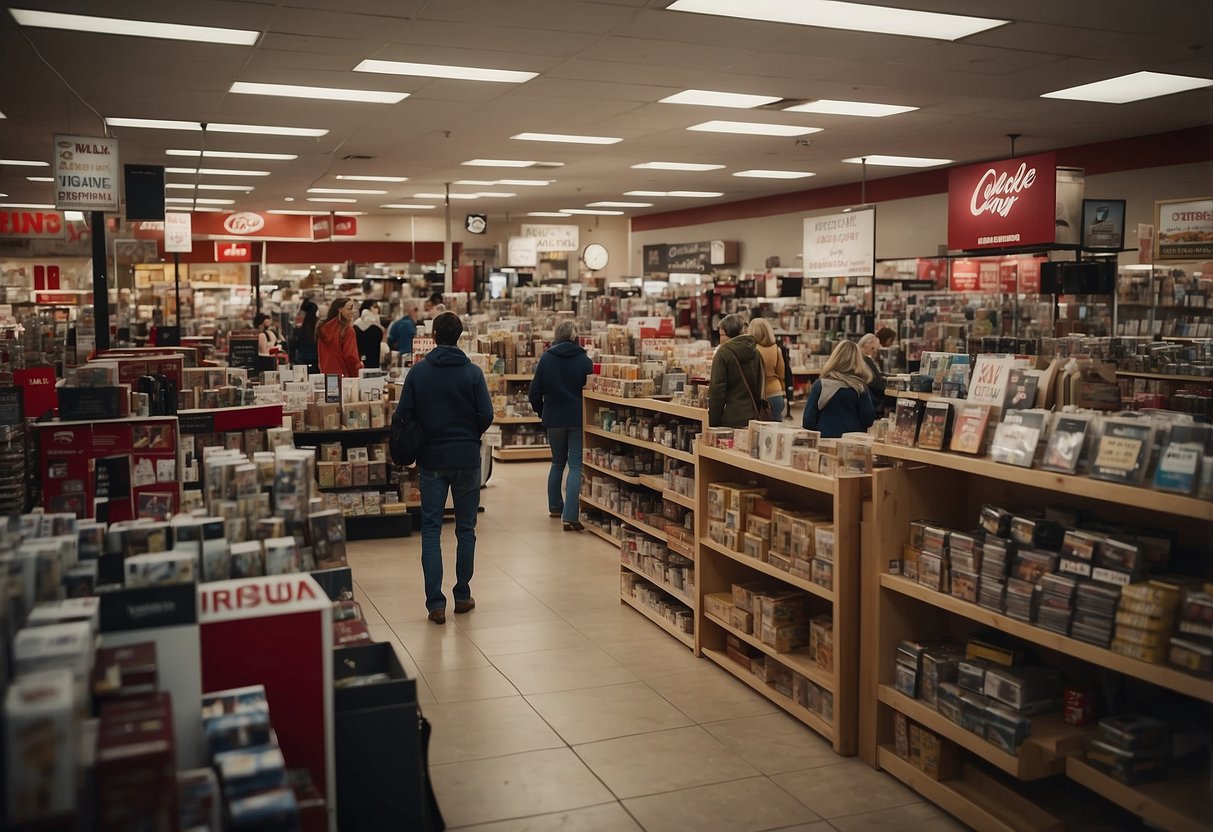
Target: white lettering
(998,192)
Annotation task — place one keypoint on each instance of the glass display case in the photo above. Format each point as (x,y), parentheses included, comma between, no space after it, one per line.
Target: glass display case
(1172,300)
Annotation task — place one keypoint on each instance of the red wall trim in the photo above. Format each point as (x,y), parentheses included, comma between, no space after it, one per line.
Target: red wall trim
(1178,147)
(326,252)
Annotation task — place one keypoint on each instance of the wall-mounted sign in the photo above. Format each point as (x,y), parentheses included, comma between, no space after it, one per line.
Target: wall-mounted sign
(476,223)
(1103,224)
(1003,204)
(690,258)
(178,233)
(522,252)
(345,226)
(553,237)
(1183,229)
(965,276)
(32,225)
(239,224)
(233,252)
(86,173)
(841,245)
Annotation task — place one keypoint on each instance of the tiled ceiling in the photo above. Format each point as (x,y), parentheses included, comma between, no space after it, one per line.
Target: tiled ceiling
(603,65)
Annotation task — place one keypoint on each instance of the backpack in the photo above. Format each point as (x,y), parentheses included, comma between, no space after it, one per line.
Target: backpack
(406,439)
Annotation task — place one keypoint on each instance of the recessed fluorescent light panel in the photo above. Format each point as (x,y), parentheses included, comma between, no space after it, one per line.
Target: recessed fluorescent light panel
(199,200)
(774,174)
(344,191)
(234,154)
(753,128)
(217,172)
(565,138)
(646,193)
(495,194)
(855,17)
(325,93)
(24,163)
(408,206)
(547,214)
(458,73)
(189,186)
(133,28)
(849,108)
(216,127)
(444,196)
(1137,86)
(330,199)
(524,183)
(350,178)
(36,206)
(499,163)
(696,194)
(688,166)
(481,182)
(40,179)
(709,98)
(897,161)
(620,205)
(294,212)
(591,212)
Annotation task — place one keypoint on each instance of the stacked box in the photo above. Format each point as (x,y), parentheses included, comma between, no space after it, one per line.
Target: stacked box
(1145,620)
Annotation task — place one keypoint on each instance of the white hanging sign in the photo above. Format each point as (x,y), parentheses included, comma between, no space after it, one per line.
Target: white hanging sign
(178,232)
(553,237)
(87,175)
(841,245)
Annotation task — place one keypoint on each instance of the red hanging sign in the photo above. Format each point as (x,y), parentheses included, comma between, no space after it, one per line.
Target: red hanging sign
(233,252)
(1003,204)
(965,277)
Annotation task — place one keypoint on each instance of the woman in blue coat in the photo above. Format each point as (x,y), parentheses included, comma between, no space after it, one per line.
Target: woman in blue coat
(839,402)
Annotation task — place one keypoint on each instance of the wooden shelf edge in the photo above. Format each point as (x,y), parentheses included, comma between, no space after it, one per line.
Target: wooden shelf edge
(686,639)
(802,664)
(783,473)
(682,456)
(767,569)
(522,453)
(662,585)
(1153,802)
(803,714)
(1165,377)
(645,403)
(639,525)
(680,499)
(590,527)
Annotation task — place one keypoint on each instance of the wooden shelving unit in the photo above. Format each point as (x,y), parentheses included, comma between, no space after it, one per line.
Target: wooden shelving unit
(719,568)
(510,449)
(1181,803)
(522,453)
(1165,377)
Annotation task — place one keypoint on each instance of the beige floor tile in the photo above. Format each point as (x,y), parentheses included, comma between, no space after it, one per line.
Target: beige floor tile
(654,655)
(592,714)
(518,785)
(527,638)
(917,816)
(454,651)
(468,684)
(563,669)
(708,694)
(845,788)
(487,728)
(616,623)
(486,615)
(750,805)
(663,761)
(774,743)
(609,817)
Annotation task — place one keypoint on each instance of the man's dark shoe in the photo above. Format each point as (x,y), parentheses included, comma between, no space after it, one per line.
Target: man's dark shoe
(439,616)
(465,606)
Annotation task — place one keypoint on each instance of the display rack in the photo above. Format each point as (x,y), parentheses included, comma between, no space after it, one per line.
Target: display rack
(510,449)
(362,526)
(719,568)
(991,793)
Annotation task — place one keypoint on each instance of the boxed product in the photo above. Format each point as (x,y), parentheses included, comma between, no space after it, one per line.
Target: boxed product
(248,771)
(247,559)
(718,604)
(136,772)
(161,568)
(127,671)
(784,637)
(40,745)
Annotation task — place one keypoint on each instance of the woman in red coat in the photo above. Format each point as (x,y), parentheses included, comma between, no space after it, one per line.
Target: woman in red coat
(336,343)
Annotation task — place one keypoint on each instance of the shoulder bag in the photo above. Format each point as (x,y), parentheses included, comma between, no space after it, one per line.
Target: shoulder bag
(761,406)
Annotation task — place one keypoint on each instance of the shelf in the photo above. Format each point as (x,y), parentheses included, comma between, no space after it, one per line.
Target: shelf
(651,531)
(516,420)
(590,527)
(522,453)
(630,479)
(767,569)
(1165,377)
(794,708)
(377,526)
(1078,486)
(697,414)
(799,662)
(1163,307)
(783,473)
(1041,755)
(685,638)
(344,432)
(660,584)
(1156,674)
(675,497)
(1179,804)
(339,489)
(654,481)
(641,443)
(515,376)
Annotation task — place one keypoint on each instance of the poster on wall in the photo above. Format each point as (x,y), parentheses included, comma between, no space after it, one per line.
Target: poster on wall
(841,245)
(1103,224)
(86,173)
(553,237)
(1183,229)
(1003,204)
(522,252)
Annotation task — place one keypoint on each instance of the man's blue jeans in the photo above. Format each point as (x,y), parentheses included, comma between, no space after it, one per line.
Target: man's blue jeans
(464,486)
(566,449)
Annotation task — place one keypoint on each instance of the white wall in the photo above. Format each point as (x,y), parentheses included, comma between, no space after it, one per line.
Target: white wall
(917,227)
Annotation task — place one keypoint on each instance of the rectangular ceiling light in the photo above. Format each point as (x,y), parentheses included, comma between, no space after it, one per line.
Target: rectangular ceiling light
(482,182)
(709,98)
(696,194)
(495,194)
(774,174)
(351,178)
(855,17)
(330,199)
(409,206)
(39,179)
(199,200)
(217,172)
(565,138)
(189,186)
(1136,86)
(294,212)
(134,28)
(646,193)
(73,216)
(24,163)
(849,108)
(547,214)
(524,183)
(345,191)
(675,166)
(234,154)
(619,205)
(753,128)
(457,73)
(897,161)
(499,163)
(34,206)
(444,196)
(216,127)
(324,93)
(591,212)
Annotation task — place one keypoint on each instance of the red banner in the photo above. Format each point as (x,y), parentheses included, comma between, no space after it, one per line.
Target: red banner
(965,276)
(331,225)
(32,225)
(345,226)
(1003,204)
(933,269)
(238,224)
(1029,275)
(233,252)
(1008,276)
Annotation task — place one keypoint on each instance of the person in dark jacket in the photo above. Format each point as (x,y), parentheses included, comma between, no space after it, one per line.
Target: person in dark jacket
(400,335)
(737,377)
(556,396)
(457,411)
(369,330)
(870,346)
(304,348)
(839,402)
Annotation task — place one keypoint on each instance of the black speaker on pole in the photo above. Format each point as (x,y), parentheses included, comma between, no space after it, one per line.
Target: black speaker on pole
(144,191)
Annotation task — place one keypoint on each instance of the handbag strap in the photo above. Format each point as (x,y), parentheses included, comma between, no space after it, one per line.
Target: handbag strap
(745,380)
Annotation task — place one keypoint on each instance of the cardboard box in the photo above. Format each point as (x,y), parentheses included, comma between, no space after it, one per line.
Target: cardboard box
(40,745)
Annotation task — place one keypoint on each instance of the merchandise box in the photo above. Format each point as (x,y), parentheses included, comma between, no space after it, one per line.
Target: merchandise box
(366,659)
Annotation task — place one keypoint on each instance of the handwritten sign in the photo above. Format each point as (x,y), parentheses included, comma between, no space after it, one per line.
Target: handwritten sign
(553,237)
(522,252)
(178,235)
(841,245)
(86,173)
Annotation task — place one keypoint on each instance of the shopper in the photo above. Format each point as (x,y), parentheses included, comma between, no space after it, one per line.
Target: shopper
(556,396)
(336,344)
(773,366)
(368,329)
(839,401)
(303,349)
(870,346)
(434,305)
(267,339)
(400,334)
(456,412)
(737,377)
(886,336)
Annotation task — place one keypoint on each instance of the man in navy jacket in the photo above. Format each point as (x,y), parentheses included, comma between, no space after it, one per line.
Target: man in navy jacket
(457,410)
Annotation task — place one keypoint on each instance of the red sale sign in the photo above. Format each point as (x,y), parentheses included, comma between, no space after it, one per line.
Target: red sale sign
(1003,204)
(233,252)
(965,277)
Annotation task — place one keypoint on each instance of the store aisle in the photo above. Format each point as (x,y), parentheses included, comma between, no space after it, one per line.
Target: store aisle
(556,707)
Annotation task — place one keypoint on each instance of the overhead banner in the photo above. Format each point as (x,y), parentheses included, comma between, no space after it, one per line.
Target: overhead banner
(522,252)
(178,233)
(690,258)
(553,237)
(841,245)
(32,225)
(1183,229)
(87,175)
(1003,204)
(238,224)
(233,252)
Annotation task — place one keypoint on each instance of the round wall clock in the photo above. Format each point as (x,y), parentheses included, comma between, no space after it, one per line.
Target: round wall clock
(595,257)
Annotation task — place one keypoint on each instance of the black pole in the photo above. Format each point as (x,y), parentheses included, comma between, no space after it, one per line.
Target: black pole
(101,294)
(255,272)
(177,286)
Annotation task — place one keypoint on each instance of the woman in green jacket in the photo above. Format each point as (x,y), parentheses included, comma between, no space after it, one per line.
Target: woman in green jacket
(737,377)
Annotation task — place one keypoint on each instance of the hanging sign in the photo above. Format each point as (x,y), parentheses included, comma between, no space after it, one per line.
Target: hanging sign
(965,276)
(86,173)
(841,245)
(178,236)
(553,237)
(233,252)
(1183,229)
(522,252)
(1003,204)
(690,258)
(32,225)
(345,226)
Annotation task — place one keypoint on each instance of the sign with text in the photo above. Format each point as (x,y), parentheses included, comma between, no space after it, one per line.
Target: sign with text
(178,232)
(233,252)
(1183,229)
(965,276)
(522,252)
(86,173)
(32,225)
(238,224)
(690,258)
(1003,204)
(553,237)
(841,245)
(1103,224)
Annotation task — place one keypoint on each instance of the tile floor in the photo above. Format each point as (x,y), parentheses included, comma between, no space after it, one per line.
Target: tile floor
(556,707)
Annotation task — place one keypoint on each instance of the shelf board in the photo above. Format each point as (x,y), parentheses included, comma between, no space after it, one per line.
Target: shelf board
(338,489)
(794,708)
(783,473)
(1041,755)
(630,479)
(1156,674)
(800,662)
(660,584)
(1078,486)
(516,376)
(641,443)
(590,527)
(767,569)
(685,638)
(675,497)
(651,531)
(653,481)
(516,453)
(697,414)
(343,432)
(516,420)
(1183,803)
(1165,377)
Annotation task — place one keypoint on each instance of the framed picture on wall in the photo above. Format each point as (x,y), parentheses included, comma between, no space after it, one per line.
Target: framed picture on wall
(1103,224)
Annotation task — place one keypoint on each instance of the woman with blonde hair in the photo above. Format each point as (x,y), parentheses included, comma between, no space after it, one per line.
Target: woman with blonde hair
(772,365)
(839,402)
